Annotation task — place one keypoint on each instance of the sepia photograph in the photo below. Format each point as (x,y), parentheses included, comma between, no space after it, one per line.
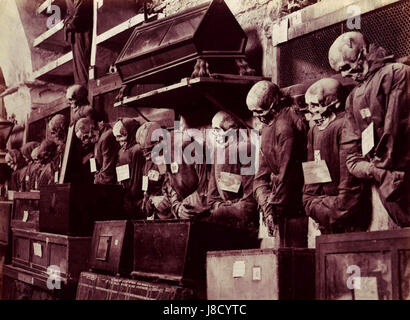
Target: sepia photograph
(208,154)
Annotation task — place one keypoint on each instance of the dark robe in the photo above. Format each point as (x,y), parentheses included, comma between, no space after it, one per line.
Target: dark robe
(105,153)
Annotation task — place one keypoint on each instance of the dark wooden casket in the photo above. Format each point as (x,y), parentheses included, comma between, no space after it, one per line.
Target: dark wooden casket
(166,50)
(72,209)
(175,250)
(111,247)
(93,286)
(38,251)
(261,274)
(26,211)
(363,266)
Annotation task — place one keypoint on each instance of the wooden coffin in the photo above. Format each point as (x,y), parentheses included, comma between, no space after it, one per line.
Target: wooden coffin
(363,266)
(21,284)
(111,247)
(38,252)
(5,216)
(26,211)
(261,274)
(72,209)
(93,286)
(175,250)
(166,50)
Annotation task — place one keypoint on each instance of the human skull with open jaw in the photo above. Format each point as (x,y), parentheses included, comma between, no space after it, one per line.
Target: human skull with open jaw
(223,127)
(323,98)
(348,55)
(87,132)
(77,96)
(58,129)
(262,100)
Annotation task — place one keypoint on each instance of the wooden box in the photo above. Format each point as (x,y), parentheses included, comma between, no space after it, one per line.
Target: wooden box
(72,209)
(21,284)
(261,274)
(92,286)
(111,247)
(5,216)
(363,265)
(26,211)
(175,250)
(166,50)
(38,251)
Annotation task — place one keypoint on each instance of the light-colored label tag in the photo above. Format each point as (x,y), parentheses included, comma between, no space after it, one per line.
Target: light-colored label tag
(316,172)
(36,185)
(256,273)
(368,139)
(25,216)
(153,175)
(317,155)
(10,195)
(27,178)
(56,177)
(365,113)
(116,242)
(238,269)
(367,289)
(123,172)
(93,165)
(162,168)
(229,182)
(174,167)
(151,217)
(144,183)
(25,278)
(37,249)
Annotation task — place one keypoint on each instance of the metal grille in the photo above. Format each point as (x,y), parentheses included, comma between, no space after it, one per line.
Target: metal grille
(305,58)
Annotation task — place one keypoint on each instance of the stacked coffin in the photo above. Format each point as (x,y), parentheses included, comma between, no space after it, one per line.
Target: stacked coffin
(51,238)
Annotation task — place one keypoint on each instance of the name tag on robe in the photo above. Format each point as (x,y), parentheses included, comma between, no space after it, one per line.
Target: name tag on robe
(368,139)
(365,113)
(316,172)
(317,155)
(144,183)
(174,167)
(27,178)
(229,182)
(123,172)
(93,165)
(56,177)
(153,175)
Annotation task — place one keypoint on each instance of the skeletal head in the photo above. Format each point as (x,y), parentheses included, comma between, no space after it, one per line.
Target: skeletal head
(10,162)
(34,154)
(263,99)
(124,132)
(87,131)
(47,151)
(120,133)
(14,159)
(58,129)
(348,54)
(77,96)
(323,98)
(223,125)
(145,135)
(27,149)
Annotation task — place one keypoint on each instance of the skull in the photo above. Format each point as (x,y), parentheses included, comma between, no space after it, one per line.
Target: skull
(47,151)
(223,127)
(347,55)
(87,132)
(58,129)
(323,98)
(11,162)
(120,133)
(77,96)
(145,133)
(262,100)
(34,155)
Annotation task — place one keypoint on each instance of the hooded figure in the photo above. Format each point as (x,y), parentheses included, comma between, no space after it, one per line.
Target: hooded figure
(77,96)
(130,162)
(343,204)
(32,167)
(279,181)
(16,162)
(377,120)
(49,172)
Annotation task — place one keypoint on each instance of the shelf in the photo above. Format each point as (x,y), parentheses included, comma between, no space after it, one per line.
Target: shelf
(53,39)
(57,71)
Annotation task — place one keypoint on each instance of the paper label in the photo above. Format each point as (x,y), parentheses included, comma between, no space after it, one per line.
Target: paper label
(229,182)
(174,167)
(123,172)
(151,217)
(37,249)
(367,289)
(25,216)
(316,172)
(116,242)
(153,175)
(27,178)
(10,195)
(368,139)
(256,273)
(365,113)
(93,165)
(144,183)
(317,155)
(238,269)
(56,177)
